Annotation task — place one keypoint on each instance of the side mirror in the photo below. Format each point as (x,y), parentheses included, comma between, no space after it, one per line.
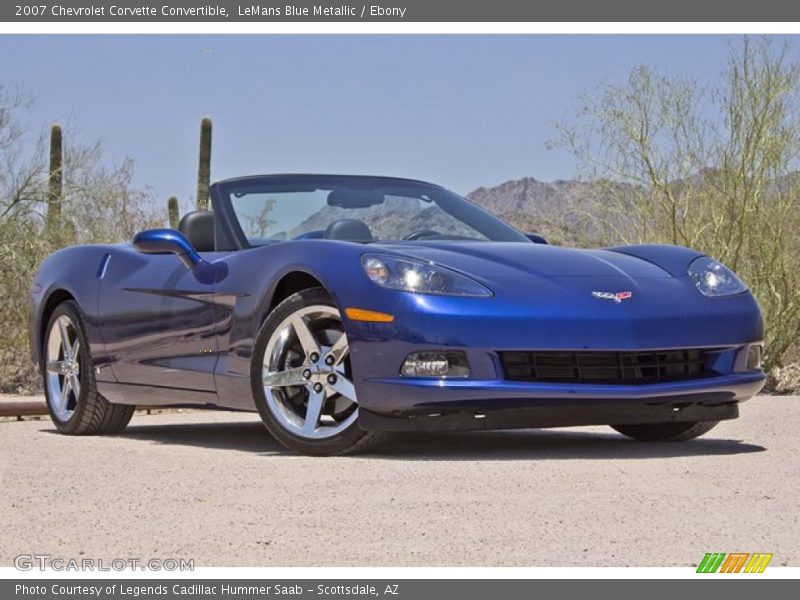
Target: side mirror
(167,241)
(536,239)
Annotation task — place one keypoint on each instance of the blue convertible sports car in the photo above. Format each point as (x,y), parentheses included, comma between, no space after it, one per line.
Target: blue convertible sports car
(346,308)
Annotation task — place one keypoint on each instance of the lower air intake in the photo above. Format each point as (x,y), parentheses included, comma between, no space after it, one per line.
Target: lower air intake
(606,367)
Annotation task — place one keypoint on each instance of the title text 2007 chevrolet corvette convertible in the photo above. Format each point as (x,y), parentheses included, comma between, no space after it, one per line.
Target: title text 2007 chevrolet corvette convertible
(345,308)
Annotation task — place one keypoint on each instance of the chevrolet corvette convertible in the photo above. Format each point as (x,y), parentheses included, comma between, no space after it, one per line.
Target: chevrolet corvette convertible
(346,308)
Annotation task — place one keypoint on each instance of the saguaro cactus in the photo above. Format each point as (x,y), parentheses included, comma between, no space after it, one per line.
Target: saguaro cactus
(55,180)
(172,211)
(204,166)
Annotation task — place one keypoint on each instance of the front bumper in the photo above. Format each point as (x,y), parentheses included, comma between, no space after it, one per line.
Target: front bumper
(665,315)
(440,405)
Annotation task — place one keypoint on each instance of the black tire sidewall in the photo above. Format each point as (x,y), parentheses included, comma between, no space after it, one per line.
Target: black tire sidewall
(70,310)
(666,432)
(338,444)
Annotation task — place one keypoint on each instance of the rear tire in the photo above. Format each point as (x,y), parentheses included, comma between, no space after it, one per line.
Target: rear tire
(75,406)
(666,432)
(307,403)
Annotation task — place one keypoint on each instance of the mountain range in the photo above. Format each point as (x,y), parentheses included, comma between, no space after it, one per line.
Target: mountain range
(555,210)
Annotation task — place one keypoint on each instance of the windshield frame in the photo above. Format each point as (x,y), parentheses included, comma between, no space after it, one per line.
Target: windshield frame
(496,227)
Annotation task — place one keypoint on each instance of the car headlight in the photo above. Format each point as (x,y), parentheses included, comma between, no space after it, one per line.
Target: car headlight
(418,276)
(713,278)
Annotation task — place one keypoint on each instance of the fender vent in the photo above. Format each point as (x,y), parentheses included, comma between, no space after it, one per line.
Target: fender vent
(606,367)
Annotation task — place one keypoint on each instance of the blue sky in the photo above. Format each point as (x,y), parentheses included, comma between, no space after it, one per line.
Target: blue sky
(462,111)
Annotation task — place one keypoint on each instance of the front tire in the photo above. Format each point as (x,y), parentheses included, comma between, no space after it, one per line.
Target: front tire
(75,406)
(666,432)
(302,381)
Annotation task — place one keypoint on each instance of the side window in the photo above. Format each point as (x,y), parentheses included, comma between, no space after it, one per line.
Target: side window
(269,217)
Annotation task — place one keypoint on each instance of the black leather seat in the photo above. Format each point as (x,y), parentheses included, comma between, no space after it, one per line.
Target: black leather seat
(351,230)
(198,227)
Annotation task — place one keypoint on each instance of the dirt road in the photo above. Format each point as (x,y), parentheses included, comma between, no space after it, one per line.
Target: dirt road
(216,488)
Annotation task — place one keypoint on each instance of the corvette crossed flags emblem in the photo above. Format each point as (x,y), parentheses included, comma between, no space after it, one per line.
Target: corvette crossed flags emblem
(617,297)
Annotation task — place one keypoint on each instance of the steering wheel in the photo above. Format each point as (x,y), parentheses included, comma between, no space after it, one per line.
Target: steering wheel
(416,235)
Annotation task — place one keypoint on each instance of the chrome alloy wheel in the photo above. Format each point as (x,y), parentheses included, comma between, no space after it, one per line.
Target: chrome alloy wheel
(63,368)
(306,374)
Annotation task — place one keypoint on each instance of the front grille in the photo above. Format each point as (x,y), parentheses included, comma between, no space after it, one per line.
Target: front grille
(605,367)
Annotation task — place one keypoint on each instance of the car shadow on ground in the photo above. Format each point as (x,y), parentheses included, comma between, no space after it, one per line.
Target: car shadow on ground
(528,444)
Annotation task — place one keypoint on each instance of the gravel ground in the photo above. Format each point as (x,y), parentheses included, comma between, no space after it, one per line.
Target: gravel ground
(216,488)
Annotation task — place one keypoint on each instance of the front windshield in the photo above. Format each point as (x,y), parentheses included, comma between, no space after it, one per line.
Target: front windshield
(362,209)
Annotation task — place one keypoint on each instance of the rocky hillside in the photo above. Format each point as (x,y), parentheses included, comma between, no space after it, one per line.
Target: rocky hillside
(555,209)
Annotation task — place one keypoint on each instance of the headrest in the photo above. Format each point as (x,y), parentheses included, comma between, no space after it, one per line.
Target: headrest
(351,230)
(198,227)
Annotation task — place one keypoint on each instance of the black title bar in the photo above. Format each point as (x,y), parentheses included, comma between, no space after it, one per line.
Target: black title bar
(370,589)
(399,10)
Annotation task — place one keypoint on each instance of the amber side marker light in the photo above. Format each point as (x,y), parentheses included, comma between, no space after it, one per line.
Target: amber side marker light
(359,314)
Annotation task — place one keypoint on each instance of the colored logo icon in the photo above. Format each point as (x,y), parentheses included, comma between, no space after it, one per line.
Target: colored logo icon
(734,562)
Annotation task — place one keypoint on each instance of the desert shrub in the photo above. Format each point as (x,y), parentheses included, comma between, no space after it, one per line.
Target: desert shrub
(98,203)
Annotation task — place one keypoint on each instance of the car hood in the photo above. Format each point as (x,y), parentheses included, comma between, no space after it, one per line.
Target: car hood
(493,260)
